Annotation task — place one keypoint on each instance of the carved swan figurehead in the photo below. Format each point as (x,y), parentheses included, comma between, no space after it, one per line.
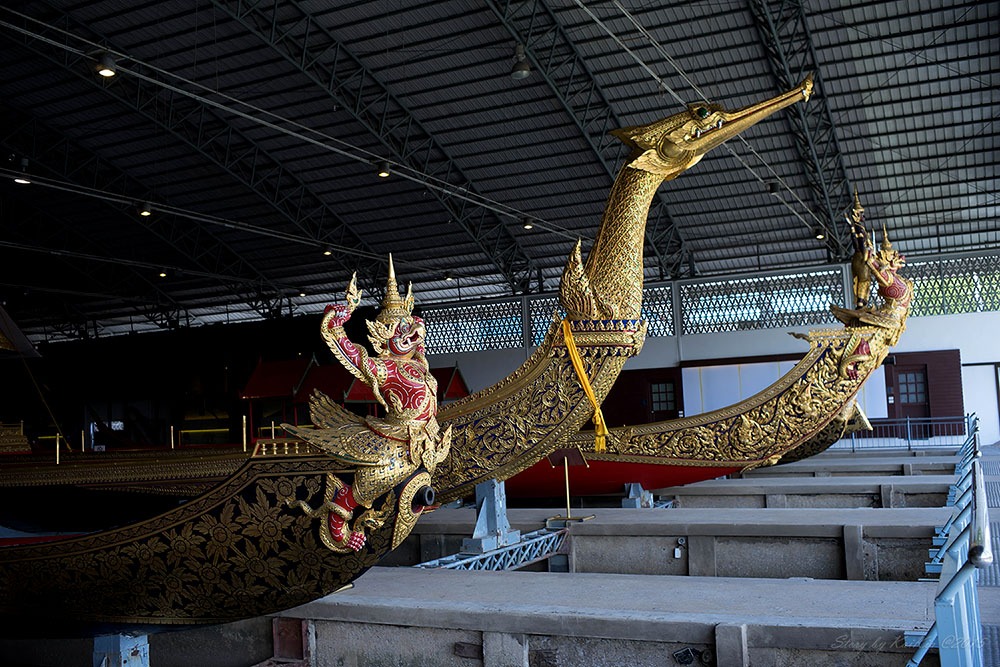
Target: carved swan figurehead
(668,147)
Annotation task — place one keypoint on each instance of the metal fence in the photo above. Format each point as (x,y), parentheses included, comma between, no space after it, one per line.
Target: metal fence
(909,433)
(964,546)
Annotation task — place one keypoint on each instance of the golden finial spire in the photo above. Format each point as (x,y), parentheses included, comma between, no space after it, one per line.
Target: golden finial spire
(886,245)
(390,285)
(858,212)
(393,305)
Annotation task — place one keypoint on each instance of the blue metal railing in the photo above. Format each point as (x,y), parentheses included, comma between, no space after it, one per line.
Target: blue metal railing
(910,433)
(965,548)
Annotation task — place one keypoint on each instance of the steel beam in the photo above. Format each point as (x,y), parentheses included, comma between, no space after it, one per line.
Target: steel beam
(197,124)
(308,45)
(533,547)
(788,43)
(51,152)
(554,56)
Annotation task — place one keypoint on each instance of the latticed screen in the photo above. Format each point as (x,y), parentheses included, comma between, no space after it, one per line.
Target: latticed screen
(761,303)
(474,327)
(945,287)
(658,310)
(540,316)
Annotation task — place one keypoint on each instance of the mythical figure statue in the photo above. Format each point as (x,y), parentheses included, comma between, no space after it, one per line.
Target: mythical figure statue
(896,292)
(384,452)
(861,275)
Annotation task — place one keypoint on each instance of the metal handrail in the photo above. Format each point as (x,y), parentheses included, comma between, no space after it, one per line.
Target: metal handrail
(980,547)
(911,432)
(968,544)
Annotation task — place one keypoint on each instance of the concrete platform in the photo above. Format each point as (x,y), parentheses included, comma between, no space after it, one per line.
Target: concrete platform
(860,543)
(860,491)
(853,543)
(435,617)
(861,465)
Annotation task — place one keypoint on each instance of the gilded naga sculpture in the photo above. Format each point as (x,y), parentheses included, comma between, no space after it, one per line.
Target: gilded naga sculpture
(883,266)
(405,446)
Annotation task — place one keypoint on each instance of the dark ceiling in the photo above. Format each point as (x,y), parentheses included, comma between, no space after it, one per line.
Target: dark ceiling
(253,130)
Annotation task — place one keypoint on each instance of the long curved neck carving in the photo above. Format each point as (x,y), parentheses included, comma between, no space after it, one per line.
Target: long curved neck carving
(609,287)
(501,430)
(614,266)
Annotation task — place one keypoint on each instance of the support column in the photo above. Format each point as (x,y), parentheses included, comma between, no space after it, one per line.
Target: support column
(731,645)
(775,500)
(637,496)
(501,649)
(492,527)
(889,496)
(701,556)
(854,553)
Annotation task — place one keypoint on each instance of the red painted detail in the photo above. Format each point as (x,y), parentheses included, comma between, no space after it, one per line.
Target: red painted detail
(275,378)
(602,477)
(18,541)
(451,384)
(332,380)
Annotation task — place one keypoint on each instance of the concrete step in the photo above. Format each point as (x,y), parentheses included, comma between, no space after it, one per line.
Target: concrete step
(941,450)
(857,543)
(518,618)
(816,492)
(853,466)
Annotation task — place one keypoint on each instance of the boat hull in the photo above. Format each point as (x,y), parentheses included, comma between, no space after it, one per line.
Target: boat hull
(237,551)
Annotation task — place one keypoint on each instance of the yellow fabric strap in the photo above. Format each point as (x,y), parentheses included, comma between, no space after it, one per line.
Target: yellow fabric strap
(600,429)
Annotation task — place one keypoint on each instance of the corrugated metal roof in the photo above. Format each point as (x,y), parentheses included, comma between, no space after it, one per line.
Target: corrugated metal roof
(260,137)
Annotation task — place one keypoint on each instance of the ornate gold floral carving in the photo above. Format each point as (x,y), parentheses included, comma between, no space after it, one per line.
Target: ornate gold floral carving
(234,552)
(759,430)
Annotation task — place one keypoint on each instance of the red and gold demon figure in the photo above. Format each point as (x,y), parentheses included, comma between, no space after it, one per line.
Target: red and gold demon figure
(395,454)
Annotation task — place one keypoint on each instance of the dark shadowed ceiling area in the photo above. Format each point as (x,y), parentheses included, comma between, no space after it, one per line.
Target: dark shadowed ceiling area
(253,131)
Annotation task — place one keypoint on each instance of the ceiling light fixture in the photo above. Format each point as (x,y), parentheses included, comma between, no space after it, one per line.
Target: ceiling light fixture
(145,210)
(522,68)
(818,232)
(772,188)
(106,66)
(22,178)
(526,223)
(383,169)
(327,252)
(448,276)
(163,274)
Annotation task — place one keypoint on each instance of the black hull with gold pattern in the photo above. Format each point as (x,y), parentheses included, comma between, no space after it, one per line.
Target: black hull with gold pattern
(240,550)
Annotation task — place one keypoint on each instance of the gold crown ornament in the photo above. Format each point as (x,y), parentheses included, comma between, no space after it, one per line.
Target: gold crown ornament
(394,309)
